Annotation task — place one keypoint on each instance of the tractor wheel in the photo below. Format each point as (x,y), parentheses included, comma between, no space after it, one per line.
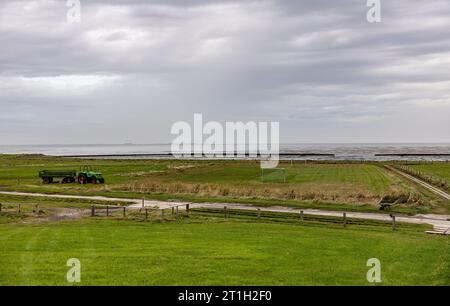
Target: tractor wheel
(94,180)
(65,180)
(46,180)
(82,179)
(101,181)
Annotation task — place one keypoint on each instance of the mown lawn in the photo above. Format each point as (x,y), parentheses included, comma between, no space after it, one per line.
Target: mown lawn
(209,252)
(372,177)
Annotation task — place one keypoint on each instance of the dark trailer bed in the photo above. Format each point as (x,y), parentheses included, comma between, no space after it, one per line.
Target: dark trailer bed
(67,176)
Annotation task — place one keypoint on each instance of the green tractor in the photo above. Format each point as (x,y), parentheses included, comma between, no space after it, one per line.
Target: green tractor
(88,175)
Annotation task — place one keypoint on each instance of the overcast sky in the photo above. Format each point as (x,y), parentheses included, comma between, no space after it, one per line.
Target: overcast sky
(130,69)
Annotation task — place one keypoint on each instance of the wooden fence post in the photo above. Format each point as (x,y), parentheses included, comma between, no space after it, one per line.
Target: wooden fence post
(225,212)
(92,210)
(124,212)
(143,202)
(394,225)
(301,216)
(177,211)
(173,211)
(0,207)
(107,210)
(187,209)
(259,213)
(18,209)
(146,214)
(345,219)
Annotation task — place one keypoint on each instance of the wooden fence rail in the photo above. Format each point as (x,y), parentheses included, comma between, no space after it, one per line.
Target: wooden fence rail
(108,209)
(19,207)
(258,212)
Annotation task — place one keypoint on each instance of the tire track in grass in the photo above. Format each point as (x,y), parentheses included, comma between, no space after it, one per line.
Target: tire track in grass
(400,182)
(368,180)
(54,264)
(379,179)
(27,263)
(373,177)
(387,181)
(5,262)
(12,232)
(87,251)
(444,266)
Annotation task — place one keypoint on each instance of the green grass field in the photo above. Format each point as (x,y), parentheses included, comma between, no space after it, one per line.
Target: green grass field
(212,252)
(338,186)
(206,249)
(438,170)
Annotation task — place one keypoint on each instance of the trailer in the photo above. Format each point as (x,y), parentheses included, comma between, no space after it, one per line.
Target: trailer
(66,176)
(84,176)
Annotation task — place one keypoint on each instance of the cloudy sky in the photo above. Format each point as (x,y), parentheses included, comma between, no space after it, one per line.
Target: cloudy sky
(130,69)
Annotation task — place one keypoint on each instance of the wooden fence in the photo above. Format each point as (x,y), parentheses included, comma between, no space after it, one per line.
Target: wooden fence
(98,210)
(109,209)
(258,213)
(18,207)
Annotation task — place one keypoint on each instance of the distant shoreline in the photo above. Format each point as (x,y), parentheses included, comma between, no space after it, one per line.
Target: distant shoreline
(300,151)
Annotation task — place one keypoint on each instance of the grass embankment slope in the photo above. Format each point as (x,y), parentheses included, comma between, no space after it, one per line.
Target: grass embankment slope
(339,186)
(197,251)
(437,169)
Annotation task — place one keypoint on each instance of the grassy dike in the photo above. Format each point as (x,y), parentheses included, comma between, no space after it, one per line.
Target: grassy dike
(209,251)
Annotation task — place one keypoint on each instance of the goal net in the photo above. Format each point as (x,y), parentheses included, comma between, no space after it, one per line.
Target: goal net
(277,175)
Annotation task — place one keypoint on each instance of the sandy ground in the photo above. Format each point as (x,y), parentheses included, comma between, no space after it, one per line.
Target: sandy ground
(59,214)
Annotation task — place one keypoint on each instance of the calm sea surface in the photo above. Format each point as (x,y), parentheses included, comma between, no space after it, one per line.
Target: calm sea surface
(341,151)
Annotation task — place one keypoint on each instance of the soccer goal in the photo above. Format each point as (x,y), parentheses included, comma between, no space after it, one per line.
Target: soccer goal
(277,175)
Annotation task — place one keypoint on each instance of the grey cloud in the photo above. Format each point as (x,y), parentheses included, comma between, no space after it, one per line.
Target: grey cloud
(316,66)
